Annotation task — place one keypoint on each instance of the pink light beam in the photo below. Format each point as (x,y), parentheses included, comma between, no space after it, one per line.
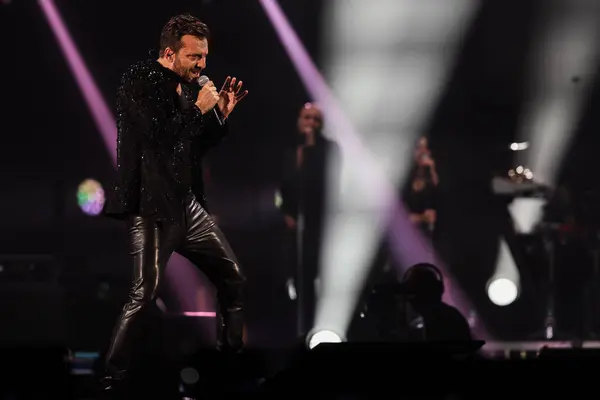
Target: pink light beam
(98,108)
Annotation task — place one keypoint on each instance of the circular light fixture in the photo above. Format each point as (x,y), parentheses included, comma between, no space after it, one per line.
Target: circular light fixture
(322,336)
(502,291)
(90,197)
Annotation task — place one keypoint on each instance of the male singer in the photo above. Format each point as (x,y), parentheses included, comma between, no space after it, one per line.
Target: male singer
(165,124)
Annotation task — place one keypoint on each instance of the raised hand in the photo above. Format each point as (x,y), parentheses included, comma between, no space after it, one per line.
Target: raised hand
(230,94)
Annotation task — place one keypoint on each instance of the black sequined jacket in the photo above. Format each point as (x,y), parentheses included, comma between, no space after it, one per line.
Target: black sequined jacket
(161,140)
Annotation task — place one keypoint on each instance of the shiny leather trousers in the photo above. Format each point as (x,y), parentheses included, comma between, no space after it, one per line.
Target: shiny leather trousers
(199,240)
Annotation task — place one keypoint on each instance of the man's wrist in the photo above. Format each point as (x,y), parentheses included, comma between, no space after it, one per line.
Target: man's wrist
(200,109)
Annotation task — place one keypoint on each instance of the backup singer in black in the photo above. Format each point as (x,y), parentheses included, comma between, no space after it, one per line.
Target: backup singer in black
(311,179)
(166,123)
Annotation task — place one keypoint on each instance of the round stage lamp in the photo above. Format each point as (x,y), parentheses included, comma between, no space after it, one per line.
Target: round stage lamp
(322,336)
(502,291)
(90,197)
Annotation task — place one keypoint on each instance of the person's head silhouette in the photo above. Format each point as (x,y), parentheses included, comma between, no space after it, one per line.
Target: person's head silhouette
(423,285)
(423,288)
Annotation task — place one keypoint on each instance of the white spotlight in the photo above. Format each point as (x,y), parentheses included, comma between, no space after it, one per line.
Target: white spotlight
(519,146)
(502,291)
(323,336)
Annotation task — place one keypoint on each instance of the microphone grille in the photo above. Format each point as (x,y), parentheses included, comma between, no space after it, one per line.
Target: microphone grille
(203,80)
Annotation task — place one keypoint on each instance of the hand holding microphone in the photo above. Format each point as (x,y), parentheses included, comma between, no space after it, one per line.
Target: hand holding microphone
(208,95)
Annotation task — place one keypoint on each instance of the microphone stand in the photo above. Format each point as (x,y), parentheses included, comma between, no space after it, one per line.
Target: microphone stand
(549,332)
(549,321)
(300,285)
(301,281)
(592,294)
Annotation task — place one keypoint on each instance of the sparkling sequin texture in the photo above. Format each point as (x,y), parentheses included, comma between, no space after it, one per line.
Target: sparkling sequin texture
(161,140)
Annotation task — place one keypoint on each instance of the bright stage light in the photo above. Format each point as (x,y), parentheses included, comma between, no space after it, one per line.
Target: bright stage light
(90,197)
(502,291)
(322,336)
(519,146)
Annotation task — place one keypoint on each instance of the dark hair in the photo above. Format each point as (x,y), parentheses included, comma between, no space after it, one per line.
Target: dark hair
(424,280)
(179,26)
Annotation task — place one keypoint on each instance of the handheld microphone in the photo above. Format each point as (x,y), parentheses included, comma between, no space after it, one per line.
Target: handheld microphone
(203,80)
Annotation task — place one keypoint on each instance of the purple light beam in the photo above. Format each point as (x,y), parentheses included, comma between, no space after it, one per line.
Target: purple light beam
(98,108)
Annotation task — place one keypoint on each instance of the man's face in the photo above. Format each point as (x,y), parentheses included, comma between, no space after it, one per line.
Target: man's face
(190,60)
(310,120)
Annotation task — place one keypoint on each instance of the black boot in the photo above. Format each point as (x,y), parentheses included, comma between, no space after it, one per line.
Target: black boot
(230,331)
(113,385)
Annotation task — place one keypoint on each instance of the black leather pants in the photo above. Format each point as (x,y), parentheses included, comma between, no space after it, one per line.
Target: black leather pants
(199,240)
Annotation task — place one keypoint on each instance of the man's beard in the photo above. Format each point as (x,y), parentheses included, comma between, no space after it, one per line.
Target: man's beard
(181,71)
